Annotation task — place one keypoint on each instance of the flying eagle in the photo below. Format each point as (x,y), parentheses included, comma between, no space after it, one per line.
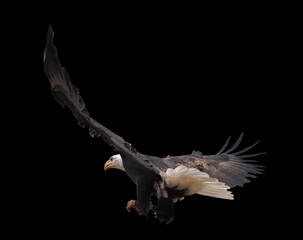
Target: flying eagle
(165,179)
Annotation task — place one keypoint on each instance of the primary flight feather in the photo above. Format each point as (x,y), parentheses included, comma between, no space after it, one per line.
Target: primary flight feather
(166,179)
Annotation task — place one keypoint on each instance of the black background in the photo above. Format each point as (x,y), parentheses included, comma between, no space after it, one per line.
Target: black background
(168,84)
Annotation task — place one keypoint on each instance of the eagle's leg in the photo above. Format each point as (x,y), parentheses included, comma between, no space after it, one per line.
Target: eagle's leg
(132,204)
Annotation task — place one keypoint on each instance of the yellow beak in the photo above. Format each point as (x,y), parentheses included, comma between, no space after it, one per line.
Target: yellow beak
(107,165)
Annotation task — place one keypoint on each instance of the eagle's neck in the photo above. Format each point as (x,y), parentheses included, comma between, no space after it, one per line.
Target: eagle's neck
(118,163)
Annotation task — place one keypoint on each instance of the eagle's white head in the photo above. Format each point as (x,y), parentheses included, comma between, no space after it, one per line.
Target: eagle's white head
(114,162)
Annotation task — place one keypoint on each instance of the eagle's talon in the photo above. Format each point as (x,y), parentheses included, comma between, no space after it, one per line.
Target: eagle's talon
(132,204)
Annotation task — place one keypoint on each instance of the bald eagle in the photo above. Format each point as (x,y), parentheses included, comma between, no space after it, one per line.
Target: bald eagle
(166,179)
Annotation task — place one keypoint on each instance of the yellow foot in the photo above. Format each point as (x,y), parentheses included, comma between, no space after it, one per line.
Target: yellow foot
(132,204)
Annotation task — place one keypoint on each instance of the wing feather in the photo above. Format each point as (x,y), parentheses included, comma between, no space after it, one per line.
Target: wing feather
(232,168)
(226,166)
(246,149)
(224,146)
(66,94)
(237,143)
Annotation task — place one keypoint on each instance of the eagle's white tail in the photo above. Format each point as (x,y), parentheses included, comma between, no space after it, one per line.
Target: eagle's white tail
(194,181)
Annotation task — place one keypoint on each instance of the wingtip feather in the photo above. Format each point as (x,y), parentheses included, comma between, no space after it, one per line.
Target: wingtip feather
(237,143)
(246,149)
(224,146)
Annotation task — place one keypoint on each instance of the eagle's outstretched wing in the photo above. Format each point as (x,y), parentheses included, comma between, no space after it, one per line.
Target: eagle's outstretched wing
(68,95)
(137,166)
(233,169)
